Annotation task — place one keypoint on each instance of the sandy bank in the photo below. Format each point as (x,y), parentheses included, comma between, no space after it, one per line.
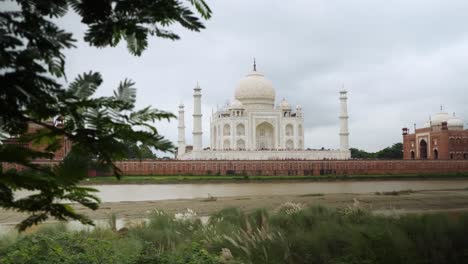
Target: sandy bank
(415,202)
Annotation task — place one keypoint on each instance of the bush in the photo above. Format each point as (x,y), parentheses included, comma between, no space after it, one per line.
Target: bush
(305,235)
(62,248)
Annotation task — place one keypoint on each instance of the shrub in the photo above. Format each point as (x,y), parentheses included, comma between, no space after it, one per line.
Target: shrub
(309,235)
(62,248)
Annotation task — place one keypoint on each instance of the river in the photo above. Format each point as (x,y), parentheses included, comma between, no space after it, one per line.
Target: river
(149,192)
(154,192)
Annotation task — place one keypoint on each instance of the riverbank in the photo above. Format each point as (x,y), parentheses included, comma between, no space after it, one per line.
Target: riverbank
(292,233)
(399,202)
(157,179)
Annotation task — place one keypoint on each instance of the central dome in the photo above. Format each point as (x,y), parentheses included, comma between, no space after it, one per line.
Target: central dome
(438,118)
(256,90)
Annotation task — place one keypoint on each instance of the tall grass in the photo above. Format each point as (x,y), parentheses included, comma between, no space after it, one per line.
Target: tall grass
(288,235)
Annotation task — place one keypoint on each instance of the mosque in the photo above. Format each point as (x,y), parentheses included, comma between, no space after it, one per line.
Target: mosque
(252,127)
(442,137)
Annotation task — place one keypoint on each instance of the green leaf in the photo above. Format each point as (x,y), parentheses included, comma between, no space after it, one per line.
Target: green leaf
(85,85)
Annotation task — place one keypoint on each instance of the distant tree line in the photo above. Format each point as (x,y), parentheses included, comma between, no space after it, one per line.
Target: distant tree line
(393,152)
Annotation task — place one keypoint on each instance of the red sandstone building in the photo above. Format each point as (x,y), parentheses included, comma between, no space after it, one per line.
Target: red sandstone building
(443,137)
(32,128)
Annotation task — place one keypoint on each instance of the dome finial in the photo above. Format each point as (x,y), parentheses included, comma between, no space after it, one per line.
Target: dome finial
(254,65)
(441,108)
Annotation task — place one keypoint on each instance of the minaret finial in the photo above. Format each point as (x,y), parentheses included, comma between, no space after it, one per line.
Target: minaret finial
(255,65)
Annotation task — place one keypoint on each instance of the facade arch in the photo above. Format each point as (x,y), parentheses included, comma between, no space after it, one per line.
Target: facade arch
(265,136)
(289,144)
(240,130)
(289,130)
(227,144)
(226,130)
(240,144)
(423,149)
(452,141)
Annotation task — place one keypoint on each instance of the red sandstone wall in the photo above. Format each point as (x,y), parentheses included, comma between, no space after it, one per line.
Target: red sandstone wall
(291,167)
(286,167)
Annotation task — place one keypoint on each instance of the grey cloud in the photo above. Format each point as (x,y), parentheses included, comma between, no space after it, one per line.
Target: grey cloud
(399,60)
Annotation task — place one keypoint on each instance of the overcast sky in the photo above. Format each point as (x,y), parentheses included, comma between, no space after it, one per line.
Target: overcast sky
(399,60)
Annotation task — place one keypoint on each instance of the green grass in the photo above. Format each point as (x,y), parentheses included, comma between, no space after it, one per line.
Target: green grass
(304,235)
(154,179)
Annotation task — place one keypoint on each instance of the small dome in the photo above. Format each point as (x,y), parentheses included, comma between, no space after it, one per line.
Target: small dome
(426,125)
(438,118)
(284,105)
(455,122)
(236,104)
(255,89)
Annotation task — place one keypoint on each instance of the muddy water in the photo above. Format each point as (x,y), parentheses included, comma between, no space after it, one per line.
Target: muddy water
(148,192)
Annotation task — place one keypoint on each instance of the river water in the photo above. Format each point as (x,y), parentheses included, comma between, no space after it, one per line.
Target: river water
(148,192)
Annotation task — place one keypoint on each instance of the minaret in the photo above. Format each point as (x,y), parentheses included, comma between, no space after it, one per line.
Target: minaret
(197,119)
(181,127)
(344,134)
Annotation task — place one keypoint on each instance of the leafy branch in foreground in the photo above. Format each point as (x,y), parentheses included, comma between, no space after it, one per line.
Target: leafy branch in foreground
(100,129)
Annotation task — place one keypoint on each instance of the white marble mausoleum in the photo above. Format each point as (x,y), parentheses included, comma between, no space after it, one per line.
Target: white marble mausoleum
(252,127)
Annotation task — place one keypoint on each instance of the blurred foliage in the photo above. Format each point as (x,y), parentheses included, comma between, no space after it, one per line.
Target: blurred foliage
(393,152)
(101,128)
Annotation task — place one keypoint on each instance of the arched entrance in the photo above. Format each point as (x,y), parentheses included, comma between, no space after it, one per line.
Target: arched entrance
(289,130)
(289,144)
(240,144)
(412,154)
(423,149)
(227,130)
(264,136)
(240,130)
(436,154)
(227,144)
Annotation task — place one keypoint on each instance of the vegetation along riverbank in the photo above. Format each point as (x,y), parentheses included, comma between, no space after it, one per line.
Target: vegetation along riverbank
(155,179)
(292,233)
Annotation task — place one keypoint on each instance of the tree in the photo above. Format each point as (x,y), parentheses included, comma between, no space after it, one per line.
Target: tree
(361,154)
(32,68)
(393,152)
(135,151)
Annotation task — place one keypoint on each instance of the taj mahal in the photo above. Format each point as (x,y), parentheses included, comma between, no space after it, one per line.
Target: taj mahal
(252,127)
